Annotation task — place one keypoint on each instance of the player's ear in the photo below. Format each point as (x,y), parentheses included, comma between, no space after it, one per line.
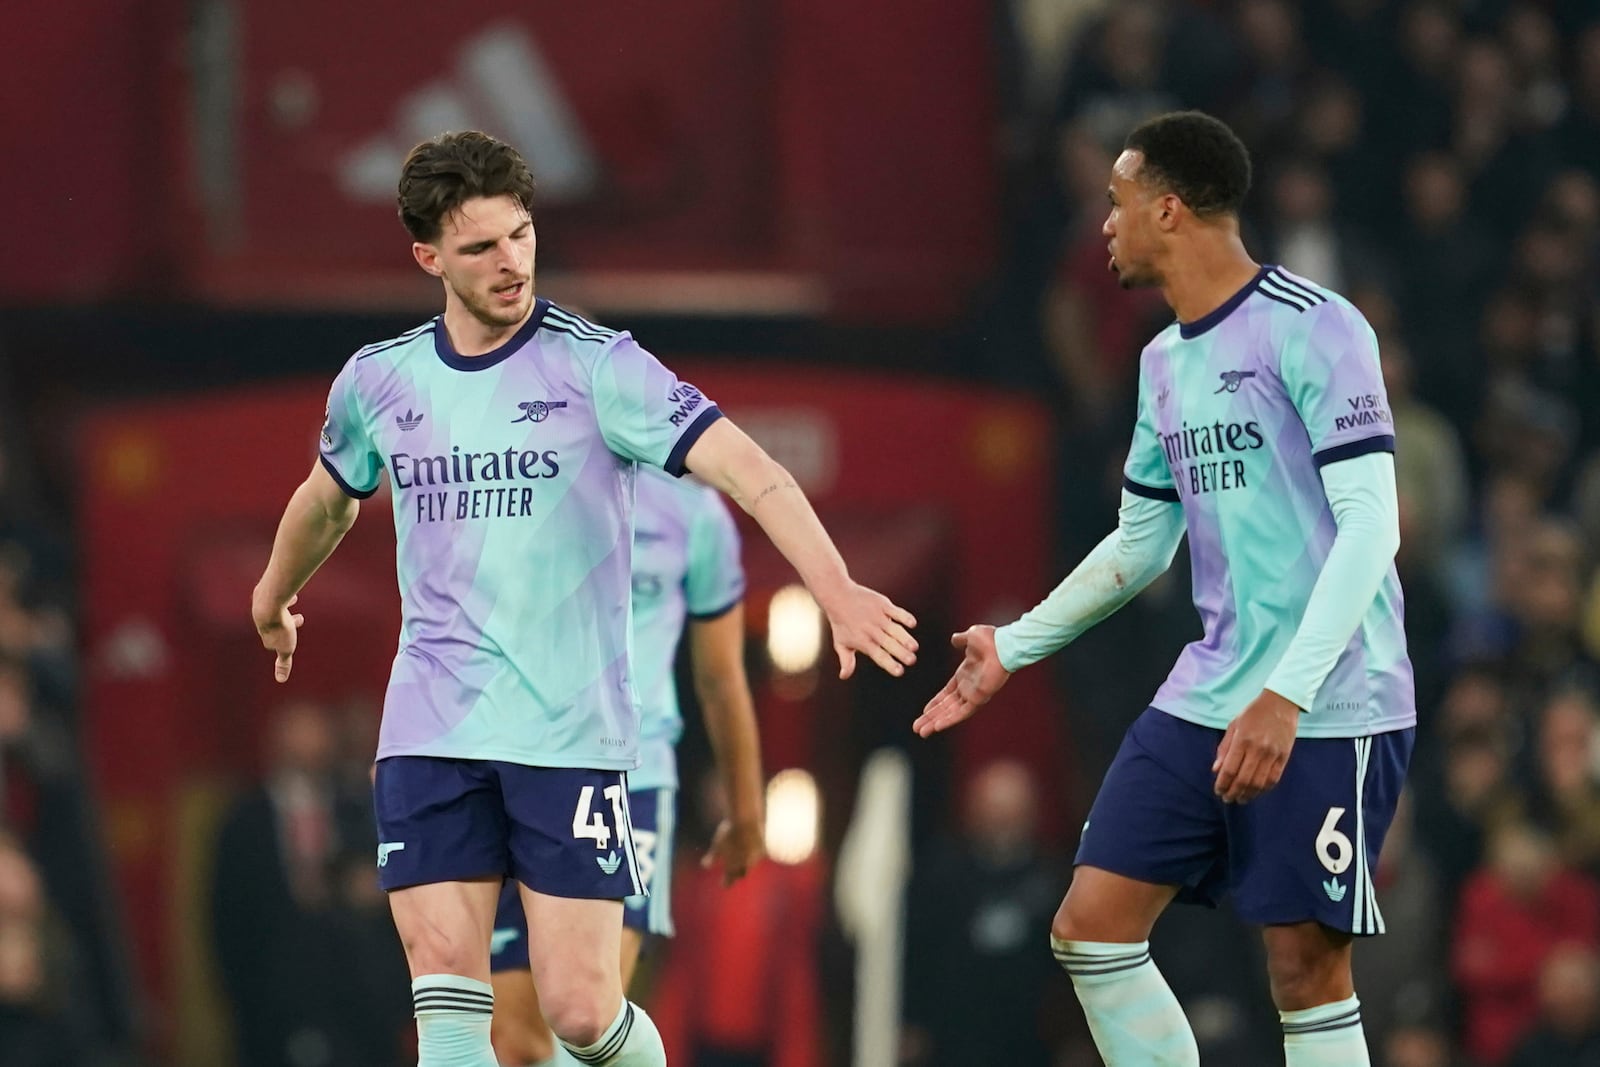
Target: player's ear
(1170,207)
(427,257)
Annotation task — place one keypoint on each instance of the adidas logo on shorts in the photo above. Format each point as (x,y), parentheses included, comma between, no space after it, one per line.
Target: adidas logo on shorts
(609,863)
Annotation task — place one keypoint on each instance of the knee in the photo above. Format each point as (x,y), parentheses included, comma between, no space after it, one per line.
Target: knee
(1303,976)
(579,1014)
(1085,916)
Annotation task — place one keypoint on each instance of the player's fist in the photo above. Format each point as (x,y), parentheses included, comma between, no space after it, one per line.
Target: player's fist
(280,632)
(864,620)
(1255,748)
(976,681)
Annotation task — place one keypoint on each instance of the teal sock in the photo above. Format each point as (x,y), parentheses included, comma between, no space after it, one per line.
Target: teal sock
(1133,1016)
(453,1016)
(1328,1035)
(630,1041)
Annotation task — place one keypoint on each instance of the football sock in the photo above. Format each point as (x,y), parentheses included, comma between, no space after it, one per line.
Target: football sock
(1133,1016)
(1328,1035)
(453,1016)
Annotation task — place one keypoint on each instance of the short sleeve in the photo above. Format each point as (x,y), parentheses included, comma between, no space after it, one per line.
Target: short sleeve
(1331,372)
(715,579)
(346,445)
(646,413)
(1146,473)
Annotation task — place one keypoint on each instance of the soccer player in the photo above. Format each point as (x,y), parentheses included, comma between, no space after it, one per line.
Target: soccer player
(1263,429)
(686,570)
(512,431)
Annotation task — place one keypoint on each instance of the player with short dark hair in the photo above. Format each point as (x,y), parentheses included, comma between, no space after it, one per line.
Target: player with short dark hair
(512,431)
(1263,431)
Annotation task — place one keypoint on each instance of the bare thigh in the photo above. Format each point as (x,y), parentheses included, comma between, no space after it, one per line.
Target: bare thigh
(445,926)
(574,950)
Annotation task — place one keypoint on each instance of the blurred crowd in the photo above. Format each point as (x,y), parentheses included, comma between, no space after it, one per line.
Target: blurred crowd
(60,1001)
(1437,161)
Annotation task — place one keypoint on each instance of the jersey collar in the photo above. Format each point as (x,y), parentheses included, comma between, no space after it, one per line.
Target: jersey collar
(1199,326)
(453,359)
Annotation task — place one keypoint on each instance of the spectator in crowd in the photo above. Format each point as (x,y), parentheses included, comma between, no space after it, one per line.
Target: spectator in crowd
(1568,1032)
(1463,774)
(273,876)
(1564,794)
(1514,914)
(979,984)
(35,1030)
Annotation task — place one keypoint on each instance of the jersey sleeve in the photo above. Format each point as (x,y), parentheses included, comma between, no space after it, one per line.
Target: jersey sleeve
(715,581)
(1331,372)
(1146,473)
(646,413)
(346,447)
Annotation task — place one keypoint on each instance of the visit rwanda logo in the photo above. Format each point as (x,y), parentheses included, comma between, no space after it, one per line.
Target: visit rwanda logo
(1232,379)
(408,421)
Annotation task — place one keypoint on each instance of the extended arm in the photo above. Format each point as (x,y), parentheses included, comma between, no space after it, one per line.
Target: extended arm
(317,518)
(716,649)
(862,620)
(1132,556)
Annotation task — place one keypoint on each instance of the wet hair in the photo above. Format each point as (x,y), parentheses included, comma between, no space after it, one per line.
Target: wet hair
(1195,157)
(442,174)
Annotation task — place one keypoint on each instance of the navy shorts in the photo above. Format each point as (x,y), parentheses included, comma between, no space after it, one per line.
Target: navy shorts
(1304,850)
(560,830)
(654,817)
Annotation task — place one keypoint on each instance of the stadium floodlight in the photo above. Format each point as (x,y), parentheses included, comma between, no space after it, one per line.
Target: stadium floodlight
(794,630)
(794,816)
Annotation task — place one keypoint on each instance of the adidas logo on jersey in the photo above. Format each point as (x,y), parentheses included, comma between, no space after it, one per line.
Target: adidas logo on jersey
(408,421)
(609,863)
(1334,890)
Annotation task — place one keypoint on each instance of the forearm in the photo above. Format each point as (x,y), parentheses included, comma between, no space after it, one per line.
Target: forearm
(730,719)
(1362,494)
(768,493)
(1117,570)
(307,535)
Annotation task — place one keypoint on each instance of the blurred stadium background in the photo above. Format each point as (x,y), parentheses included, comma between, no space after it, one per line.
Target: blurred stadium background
(871,232)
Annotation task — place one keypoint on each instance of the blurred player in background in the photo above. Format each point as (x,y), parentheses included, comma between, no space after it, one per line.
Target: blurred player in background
(1264,430)
(512,431)
(686,574)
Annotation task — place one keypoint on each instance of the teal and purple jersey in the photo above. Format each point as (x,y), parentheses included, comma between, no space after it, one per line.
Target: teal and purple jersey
(1238,413)
(685,566)
(512,475)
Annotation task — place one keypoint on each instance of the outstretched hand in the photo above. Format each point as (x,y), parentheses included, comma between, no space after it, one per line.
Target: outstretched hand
(864,620)
(976,681)
(280,633)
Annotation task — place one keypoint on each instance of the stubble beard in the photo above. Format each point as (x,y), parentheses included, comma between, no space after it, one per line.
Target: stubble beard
(494,317)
